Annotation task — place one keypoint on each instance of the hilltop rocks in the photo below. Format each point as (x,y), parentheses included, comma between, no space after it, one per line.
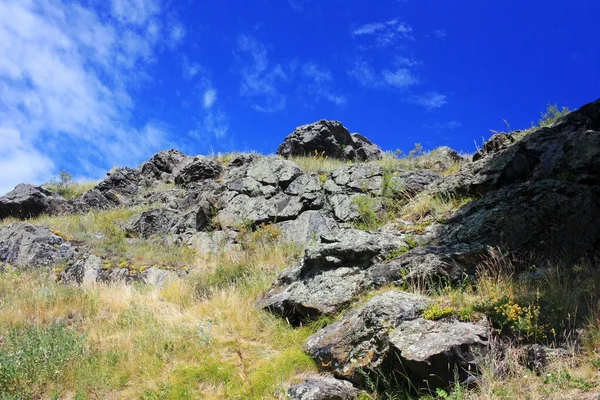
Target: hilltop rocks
(198,170)
(330,138)
(119,187)
(321,387)
(25,245)
(329,276)
(28,201)
(265,189)
(165,165)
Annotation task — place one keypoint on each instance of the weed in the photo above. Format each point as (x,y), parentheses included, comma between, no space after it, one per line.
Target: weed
(33,356)
(436,311)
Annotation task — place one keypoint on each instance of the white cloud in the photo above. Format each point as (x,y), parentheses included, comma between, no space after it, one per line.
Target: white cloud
(260,79)
(176,35)
(383,34)
(430,100)
(190,70)
(440,33)
(401,78)
(20,161)
(215,124)
(209,98)
(66,74)
(364,74)
(318,83)
(134,12)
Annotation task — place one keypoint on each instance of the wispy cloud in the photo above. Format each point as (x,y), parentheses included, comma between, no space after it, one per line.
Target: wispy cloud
(66,74)
(401,78)
(135,12)
(319,82)
(214,125)
(260,79)
(209,98)
(440,33)
(430,100)
(383,34)
(176,35)
(443,126)
(296,5)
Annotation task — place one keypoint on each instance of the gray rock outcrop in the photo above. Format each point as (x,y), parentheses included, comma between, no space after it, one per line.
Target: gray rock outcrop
(329,276)
(28,201)
(29,246)
(329,138)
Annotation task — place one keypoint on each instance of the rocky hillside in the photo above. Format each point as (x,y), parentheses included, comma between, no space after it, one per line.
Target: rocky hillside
(411,273)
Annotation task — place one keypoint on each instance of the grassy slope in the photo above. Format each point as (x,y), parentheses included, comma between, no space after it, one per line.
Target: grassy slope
(202,337)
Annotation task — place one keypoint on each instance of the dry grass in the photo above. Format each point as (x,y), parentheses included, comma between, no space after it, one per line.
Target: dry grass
(193,338)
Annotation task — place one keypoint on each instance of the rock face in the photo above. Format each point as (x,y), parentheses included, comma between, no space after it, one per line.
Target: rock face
(540,194)
(28,201)
(429,264)
(329,276)
(386,336)
(323,388)
(430,352)
(29,246)
(197,171)
(330,138)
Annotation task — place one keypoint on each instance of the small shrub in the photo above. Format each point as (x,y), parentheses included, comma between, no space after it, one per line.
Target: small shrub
(33,356)
(436,311)
(368,218)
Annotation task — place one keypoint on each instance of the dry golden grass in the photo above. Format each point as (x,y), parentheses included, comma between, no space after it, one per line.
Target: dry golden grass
(178,341)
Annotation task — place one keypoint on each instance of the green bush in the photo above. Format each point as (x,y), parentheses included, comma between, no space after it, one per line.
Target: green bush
(32,356)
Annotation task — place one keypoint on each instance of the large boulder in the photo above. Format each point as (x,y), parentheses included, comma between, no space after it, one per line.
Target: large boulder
(435,353)
(385,338)
(25,245)
(329,138)
(359,343)
(330,275)
(28,201)
(323,387)
(120,187)
(308,227)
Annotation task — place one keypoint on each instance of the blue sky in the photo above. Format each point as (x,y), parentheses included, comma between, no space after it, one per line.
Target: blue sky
(88,85)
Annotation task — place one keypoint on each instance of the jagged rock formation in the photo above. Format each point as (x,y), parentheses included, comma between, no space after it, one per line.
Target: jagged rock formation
(330,138)
(28,201)
(26,245)
(539,194)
